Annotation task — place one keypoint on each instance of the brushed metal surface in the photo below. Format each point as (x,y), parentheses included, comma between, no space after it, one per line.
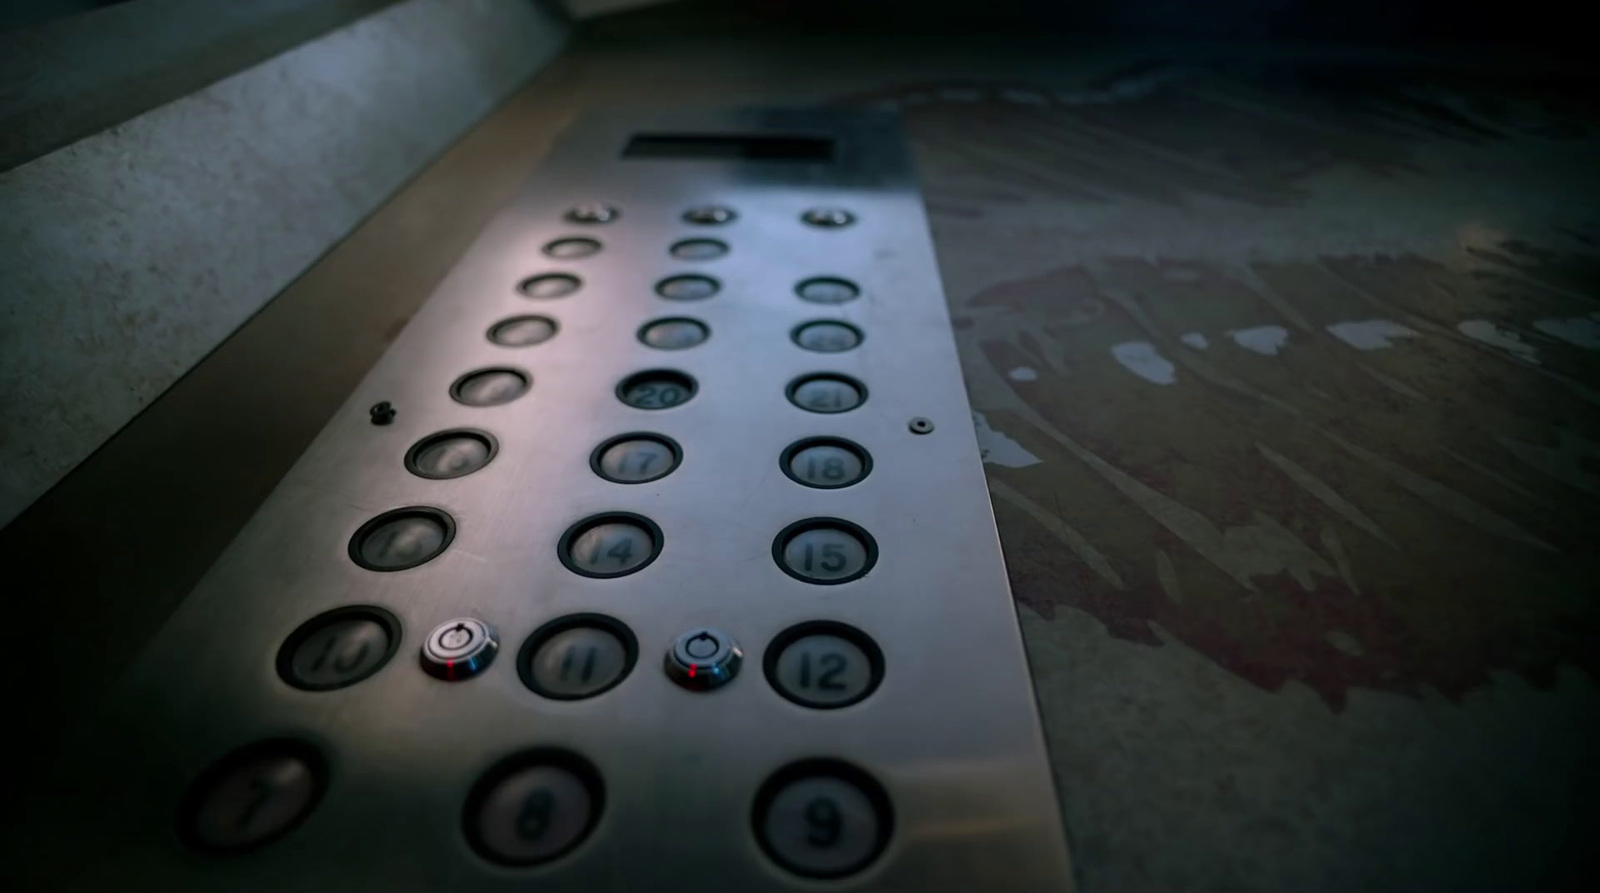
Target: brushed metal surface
(951,732)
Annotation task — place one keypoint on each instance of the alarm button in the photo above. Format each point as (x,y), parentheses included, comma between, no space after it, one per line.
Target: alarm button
(459,649)
(703,659)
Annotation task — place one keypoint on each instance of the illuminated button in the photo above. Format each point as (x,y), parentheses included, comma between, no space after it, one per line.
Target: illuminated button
(826,463)
(687,287)
(827,393)
(573,247)
(823,664)
(828,218)
(610,545)
(824,551)
(550,285)
(533,807)
(252,796)
(828,290)
(827,337)
(451,454)
(674,333)
(459,649)
(709,215)
(592,213)
(822,818)
(490,387)
(698,249)
(656,389)
(578,656)
(523,331)
(703,659)
(402,538)
(636,458)
(338,648)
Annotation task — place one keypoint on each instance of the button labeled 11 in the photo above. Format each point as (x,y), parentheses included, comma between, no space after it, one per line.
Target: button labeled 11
(577,656)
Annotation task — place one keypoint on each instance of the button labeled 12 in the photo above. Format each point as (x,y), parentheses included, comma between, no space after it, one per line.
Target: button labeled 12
(824,664)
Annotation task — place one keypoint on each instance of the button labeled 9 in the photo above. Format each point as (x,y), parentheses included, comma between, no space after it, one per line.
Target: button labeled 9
(822,818)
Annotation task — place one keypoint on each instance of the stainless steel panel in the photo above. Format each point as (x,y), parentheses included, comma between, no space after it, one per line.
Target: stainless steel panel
(951,733)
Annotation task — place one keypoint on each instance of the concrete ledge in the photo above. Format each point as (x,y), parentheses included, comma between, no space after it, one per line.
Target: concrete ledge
(129,255)
(74,76)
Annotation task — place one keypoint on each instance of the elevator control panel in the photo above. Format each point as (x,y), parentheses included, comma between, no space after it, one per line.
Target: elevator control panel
(654,555)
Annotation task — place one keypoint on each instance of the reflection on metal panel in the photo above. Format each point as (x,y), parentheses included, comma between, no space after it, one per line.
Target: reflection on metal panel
(727,659)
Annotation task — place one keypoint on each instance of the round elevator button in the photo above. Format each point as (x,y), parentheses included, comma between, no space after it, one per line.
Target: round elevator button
(577,656)
(636,458)
(822,818)
(828,290)
(828,218)
(402,538)
(656,389)
(823,664)
(252,796)
(709,215)
(674,333)
(609,545)
(703,659)
(592,213)
(825,336)
(687,288)
(533,807)
(550,285)
(523,331)
(824,551)
(698,249)
(490,387)
(826,463)
(827,393)
(572,247)
(338,648)
(451,454)
(459,649)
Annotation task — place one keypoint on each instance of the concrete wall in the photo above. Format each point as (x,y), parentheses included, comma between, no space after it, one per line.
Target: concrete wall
(128,255)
